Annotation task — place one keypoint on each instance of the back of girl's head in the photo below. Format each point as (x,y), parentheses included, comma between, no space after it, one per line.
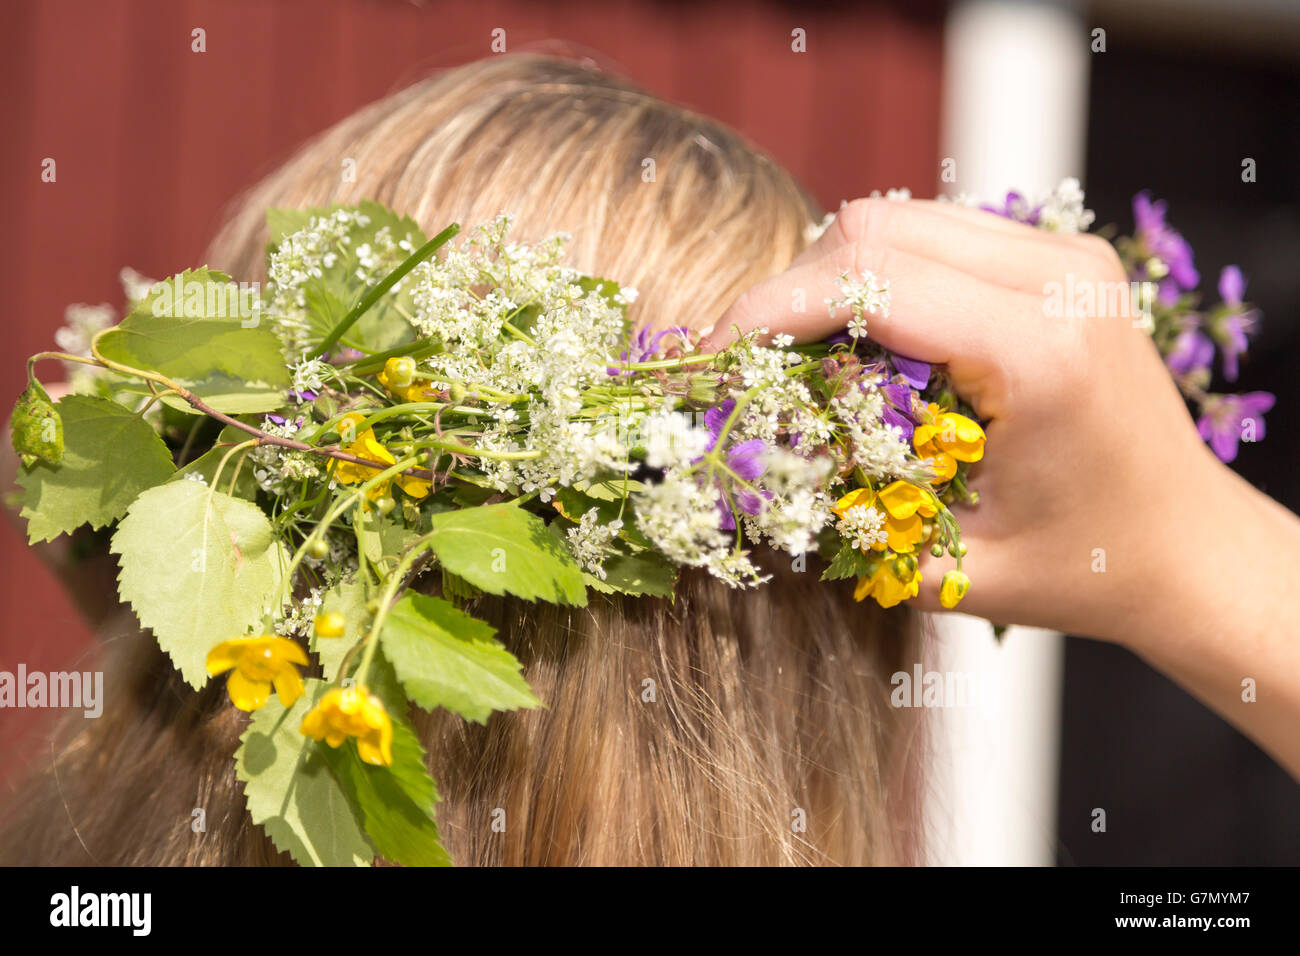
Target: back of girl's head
(655,197)
(721,727)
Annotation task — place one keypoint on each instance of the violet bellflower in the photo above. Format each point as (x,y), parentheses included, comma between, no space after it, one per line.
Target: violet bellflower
(1225,418)
(1165,243)
(746,461)
(644,346)
(1016,208)
(898,408)
(1192,352)
(1234,328)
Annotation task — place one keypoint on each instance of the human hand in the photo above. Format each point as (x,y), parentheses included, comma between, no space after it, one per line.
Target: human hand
(1092,460)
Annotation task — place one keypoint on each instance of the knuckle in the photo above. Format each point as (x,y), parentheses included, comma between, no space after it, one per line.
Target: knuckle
(1103,252)
(863,257)
(864,220)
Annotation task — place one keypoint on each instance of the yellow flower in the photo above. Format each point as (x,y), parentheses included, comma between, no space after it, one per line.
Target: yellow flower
(949,439)
(953,588)
(904,506)
(353,712)
(257,663)
(330,624)
(411,392)
(894,580)
(369,447)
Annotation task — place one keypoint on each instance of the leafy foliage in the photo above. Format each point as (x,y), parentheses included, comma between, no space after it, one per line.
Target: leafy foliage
(195,326)
(198,567)
(446,658)
(395,804)
(110,456)
(503,549)
(292,790)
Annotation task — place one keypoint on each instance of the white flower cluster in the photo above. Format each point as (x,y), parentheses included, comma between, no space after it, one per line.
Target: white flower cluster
(325,243)
(81,324)
(862,297)
(681,516)
(879,449)
(310,375)
(296,619)
(277,469)
(799,507)
(591,542)
(1063,210)
(862,526)
(529,346)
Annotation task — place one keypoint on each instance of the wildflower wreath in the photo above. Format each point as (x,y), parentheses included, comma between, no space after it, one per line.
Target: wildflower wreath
(282,463)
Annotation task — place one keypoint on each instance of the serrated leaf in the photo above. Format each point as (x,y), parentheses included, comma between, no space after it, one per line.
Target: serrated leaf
(206,465)
(396,803)
(35,428)
(349,599)
(643,573)
(291,789)
(193,326)
(198,567)
(110,455)
(381,535)
(849,562)
(502,549)
(446,658)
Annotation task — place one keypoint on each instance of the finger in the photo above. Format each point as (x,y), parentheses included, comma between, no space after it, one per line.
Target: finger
(936,314)
(986,246)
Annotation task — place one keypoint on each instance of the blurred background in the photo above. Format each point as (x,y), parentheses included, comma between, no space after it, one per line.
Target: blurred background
(153,140)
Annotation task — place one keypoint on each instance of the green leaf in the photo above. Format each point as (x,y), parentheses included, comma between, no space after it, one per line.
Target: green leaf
(395,803)
(382,326)
(502,549)
(206,465)
(349,599)
(643,573)
(848,563)
(446,658)
(292,791)
(610,489)
(232,396)
(110,455)
(193,326)
(35,427)
(199,567)
(381,535)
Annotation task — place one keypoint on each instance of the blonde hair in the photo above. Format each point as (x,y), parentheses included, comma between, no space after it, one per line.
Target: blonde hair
(722,727)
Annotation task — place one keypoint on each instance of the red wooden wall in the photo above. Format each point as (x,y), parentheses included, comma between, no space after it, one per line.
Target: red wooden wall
(151,140)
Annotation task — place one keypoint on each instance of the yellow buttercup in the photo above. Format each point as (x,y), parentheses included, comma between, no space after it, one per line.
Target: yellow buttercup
(948,439)
(257,664)
(353,712)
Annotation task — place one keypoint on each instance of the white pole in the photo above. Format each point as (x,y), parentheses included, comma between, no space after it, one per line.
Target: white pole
(1015,109)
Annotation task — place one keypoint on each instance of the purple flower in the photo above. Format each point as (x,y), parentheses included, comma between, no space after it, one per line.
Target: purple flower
(1235,327)
(644,346)
(1192,352)
(745,460)
(1015,208)
(1166,244)
(1226,418)
(345,355)
(916,372)
(898,408)
(306,395)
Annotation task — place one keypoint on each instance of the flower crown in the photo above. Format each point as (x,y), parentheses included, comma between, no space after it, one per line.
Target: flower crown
(283,463)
